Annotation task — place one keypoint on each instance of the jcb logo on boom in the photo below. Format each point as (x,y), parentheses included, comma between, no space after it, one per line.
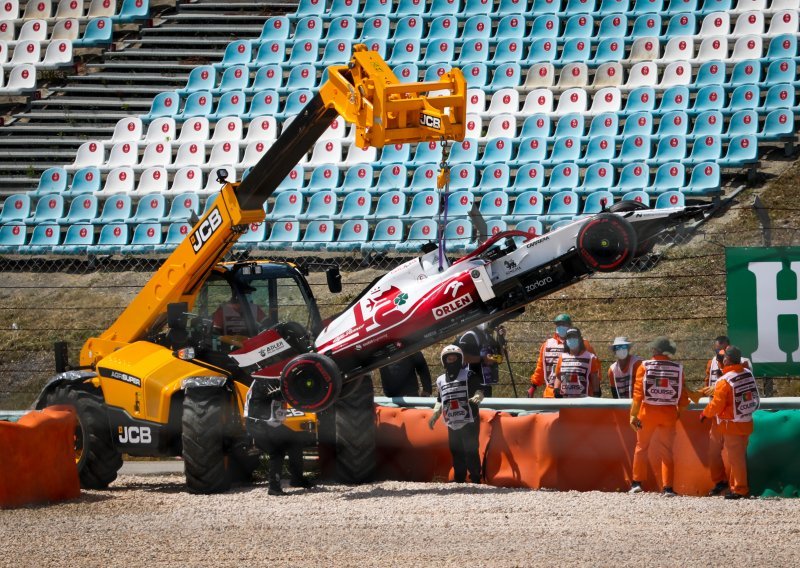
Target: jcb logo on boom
(430,121)
(205,230)
(135,435)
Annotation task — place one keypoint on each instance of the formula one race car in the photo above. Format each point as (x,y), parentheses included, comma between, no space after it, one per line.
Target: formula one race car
(427,299)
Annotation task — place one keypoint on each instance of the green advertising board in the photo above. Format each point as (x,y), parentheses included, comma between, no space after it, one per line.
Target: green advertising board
(763,301)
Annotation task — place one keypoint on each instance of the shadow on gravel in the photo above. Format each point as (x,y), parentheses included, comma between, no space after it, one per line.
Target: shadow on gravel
(452,489)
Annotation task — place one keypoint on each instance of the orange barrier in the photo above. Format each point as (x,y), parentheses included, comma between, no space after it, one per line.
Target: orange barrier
(37,458)
(581,449)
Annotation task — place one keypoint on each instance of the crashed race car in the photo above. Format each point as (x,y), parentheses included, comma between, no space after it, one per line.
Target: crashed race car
(429,299)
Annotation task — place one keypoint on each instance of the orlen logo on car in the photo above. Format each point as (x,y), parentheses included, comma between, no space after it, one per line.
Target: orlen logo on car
(206,229)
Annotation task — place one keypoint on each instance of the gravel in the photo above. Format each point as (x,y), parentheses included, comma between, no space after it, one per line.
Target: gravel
(152,520)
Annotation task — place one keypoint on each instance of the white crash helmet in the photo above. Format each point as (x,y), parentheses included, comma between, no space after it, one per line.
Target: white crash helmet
(449,350)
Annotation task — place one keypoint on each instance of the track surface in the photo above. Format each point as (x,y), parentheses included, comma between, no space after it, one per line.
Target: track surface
(146,520)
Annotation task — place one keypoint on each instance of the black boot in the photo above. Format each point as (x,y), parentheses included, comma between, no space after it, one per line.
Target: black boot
(301,481)
(275,484)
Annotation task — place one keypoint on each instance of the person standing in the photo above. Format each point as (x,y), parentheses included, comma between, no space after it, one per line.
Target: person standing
(482,353)
(735,400)
(407,377)
(659,396)
(623,369)
(458,396)
(577,372)
(548,356)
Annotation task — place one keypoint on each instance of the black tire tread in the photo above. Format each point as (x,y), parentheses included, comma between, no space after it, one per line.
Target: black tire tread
(203,430)
(101,460)
(355,433)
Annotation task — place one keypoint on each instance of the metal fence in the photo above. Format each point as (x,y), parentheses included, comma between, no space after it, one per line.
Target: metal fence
(676,290)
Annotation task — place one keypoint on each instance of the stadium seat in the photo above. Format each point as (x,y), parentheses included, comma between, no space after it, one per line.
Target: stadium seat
(160,130)
(376,27)
(156,154)
(223,153)
(464,152)
(528,177)
(150,208)
(639,196)
(387,235)
(147,238)
(495,176)
(462,176)
(563,205)
(597,202)
(405,51)
(49,209)
(283,234)
(407,72)
(131,11)
(116,209)
(255,235)
(128,129)
(85,180)
(78,239)
(196,129)
(13,237)
(421,232)
(494,204)
(356,205)
(458,235)
(353,234)
(598,176)
(669,176)
(176,234)
(44,237)
(392,177)
(235,78)
(82,209)
(317,236)
(778,125)
(424,205)
(183,206)
(16,208)
(459,203)
(90,153)
(52,180)
(356,178)
(288,205)
(633,176)
(122,154)
(531,226)
(153,180)
(705,180)
(670,199)
(198,103)
(271,53)
(276,27)
(742,150)
(236,53)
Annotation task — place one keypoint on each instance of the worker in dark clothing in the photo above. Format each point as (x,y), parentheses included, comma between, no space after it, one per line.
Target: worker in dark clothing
(407,377)
(482,353)
(272,437)
(458,396)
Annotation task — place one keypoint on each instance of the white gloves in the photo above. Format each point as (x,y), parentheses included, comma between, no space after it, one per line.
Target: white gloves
(437,411)
(477,397)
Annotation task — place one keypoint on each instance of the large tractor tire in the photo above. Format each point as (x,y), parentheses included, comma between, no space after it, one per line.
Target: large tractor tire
(606,242)
(203,433)
(355,432)
(96,455)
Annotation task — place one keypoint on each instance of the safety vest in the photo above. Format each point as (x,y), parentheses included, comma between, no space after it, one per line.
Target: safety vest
(623,380)
(490,374)
(745,394)
(662,382)
(574,374)
(715,371)
(455,400)
(553,348)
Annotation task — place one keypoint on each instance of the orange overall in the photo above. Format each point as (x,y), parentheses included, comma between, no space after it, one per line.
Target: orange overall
(551,348)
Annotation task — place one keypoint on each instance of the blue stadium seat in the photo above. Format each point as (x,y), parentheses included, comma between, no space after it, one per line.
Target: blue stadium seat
(744,97)
(336,52)
(111,240)
(82,209)
(201,78)
(669,149)
(323,178)
(52,180)
(283,234)
(639,196)
(532,149)
(427,153)
(263,103)
(645,25)
(267,77)
(319,233)
(49,209)
(464,152)
(408,72)
(634,149)
(478,7)
(528,177)
(16,208)
(458,235)
(633,176)
(421,232)
(613,26)
(531,226)
(356,205)
(116,209)
(459,203)
(478,26)
(495,176)
(176,234)
(566,149)
(410,8)
(271,52)
(676,98)
(670,199)
(85,180)
(255,235)
(705,180)
(78,239)
(132,11)
(710,73)
(598,176)
(783,46)
(45,236)
(541,51)
(352,236)
(376,27)
(545,26)
(677,122)
(598,149)
(574,50)
(493,227)
(778,125)
(308,28)
(778,96)
(424,177)
(563,205)
(275,28)
(152,207)
(508,51)
(436,71)
(13,236)
(507,75)
(681,6)
(442,8)
(564,175)
(306,51)
(608,50)
(597,202)
(711,97)
(578,26)
(321,205)
(742,150)
(669,176)
(183,206)
(780,71)
(462,176)
(288,205)
(146,239)
(391,204)
(494,204)
(164,104)
(381,8)
(570,125)
(405,51)
(442,27)
(357,177)
(476,74)
(231,103)
(393,176)
(705,149)
(237,52)
(292,182)
(198,103)
(342,27)
(604,124)
(99,32)
(234,78)
(424,204)
(528,204)
(473,51)
(538,6)
(511,27)
(294,103)
(747,72)
(395,154)
(639,124)
(647,7)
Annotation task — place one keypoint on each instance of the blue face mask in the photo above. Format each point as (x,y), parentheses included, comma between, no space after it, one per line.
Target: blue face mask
(573,343)
(561,330)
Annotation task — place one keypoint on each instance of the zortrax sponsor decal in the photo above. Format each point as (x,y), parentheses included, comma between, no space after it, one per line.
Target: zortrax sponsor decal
(120,376)
(440,312)
(206,229)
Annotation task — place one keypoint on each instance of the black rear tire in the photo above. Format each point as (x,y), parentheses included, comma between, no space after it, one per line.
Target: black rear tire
(627,205)
(606,242)
(97,457)
(355,432)
(311,382)
(203,435)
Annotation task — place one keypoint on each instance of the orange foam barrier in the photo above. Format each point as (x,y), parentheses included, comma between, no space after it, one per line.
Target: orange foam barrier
(581,449)
(37,458)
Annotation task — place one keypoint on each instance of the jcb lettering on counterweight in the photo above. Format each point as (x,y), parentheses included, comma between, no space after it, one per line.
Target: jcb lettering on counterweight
(205,230)
(134,435)
(430,121)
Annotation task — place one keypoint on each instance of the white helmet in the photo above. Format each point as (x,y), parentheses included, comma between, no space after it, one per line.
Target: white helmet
(449,350)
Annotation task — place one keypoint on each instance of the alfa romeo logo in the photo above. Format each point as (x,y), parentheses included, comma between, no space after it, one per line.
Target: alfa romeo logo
(400,299)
